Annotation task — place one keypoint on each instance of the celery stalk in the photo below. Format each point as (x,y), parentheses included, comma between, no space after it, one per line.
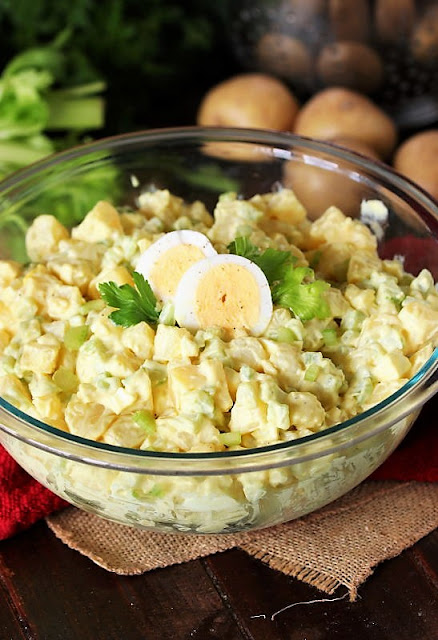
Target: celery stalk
(66,112)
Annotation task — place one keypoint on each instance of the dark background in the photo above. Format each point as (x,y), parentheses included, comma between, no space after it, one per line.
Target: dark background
(157,58)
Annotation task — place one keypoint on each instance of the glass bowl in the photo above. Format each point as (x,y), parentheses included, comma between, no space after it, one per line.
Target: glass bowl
(235,490)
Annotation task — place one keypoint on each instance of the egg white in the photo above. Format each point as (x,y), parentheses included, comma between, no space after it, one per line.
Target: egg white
(185,301)
(151,257)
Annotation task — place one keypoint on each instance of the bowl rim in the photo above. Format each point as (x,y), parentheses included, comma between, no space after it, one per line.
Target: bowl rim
(19,423)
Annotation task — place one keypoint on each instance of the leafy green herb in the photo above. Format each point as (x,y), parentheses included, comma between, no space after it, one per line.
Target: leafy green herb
(292,287)
(134,304)
(271,261)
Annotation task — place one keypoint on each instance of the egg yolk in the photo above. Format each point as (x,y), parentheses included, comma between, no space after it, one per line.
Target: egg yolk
(171,266)
(227,296)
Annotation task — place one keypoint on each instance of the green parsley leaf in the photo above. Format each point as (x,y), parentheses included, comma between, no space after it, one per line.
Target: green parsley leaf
(271,261)
(274,263)
(242,246)
(305,299)
(132,304)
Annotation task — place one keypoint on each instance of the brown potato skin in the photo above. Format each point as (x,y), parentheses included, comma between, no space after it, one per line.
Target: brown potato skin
(307,8)
(394,19)
(285,56)
(355,145)
(350,64)
(336,112)
(253,100)
(417,159)
(317,188)
(350,19)
(424,40)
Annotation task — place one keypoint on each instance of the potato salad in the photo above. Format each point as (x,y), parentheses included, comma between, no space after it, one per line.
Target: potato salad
(172,328)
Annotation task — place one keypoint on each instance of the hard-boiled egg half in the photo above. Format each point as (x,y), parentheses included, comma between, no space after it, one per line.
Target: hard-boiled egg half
(206,288)
(224,290)
(166,260)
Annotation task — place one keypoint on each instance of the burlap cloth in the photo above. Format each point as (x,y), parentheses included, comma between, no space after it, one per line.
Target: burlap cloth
(338,545)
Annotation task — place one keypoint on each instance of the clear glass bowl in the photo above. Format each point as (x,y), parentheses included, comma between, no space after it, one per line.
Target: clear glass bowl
(228,491)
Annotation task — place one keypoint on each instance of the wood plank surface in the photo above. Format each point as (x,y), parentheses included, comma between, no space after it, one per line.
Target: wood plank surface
(49,592)
(64,596)
(400,601)
(11,616)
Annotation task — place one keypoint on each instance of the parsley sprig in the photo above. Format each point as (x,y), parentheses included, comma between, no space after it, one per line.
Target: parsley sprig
(292,287)
(271,261)
(132,304)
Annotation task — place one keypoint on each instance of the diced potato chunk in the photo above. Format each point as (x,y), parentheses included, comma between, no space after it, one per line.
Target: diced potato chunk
(41,355)
(9,270)
(43,237)
(420,322)
(99,224)
(120,275)
(174,343)
(88,420)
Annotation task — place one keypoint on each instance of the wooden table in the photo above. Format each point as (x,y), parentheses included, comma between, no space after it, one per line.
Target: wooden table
(49,592)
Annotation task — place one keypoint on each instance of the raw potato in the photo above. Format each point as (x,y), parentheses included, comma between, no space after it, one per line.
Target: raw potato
(338,112)
(424,42)
(394,19)
(307,8)
(285,56)
(349,19)
(254,100)
(350,64)
(315,187)
(355,145)
(417,158)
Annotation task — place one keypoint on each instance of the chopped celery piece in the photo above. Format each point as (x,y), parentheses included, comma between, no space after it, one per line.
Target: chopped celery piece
(231,438)
(284,334)
(353,319)
(311,373)
(74,337)
(65,379)
(146,421)
(155,492)
(92,305)
(167,314)
(330,337)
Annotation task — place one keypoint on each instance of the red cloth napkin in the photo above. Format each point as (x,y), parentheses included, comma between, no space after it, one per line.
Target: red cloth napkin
(23,500)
